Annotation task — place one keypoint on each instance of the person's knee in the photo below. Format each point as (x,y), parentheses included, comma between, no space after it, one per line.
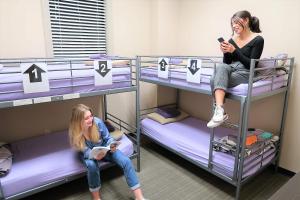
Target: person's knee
(222,67)
(125,162)
(92,165)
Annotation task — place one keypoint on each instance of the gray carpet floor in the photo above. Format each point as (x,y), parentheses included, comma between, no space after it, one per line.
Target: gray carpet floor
(165,176)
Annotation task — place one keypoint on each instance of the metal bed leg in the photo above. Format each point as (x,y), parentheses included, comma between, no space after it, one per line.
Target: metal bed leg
(1,192)
(284,114)
(241,148)
(104,107)
(137,111)
(211,140)
(238,192)
(177,98)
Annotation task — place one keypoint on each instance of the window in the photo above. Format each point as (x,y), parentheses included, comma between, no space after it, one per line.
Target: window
(78,27)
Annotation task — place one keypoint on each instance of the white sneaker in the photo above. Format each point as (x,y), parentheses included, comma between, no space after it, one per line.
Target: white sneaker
(218,118)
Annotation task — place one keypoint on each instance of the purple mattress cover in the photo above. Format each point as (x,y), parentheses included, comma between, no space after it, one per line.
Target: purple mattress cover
(45,159)
(191,137)
(178,77)
(60,82)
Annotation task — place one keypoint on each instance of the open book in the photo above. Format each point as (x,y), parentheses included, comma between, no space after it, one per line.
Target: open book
(102,149)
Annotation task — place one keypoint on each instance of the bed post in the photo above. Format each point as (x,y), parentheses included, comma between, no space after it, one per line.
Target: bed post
(239,136)
(241,151)
(284,112)
(177,98)
(212,137)
(137,109)
(1,192)
(212,130)
(104,107)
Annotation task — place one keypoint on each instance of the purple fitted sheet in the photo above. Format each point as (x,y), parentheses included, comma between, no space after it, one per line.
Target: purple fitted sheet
(41,160)
(191,137)
(178,77)
(64,81)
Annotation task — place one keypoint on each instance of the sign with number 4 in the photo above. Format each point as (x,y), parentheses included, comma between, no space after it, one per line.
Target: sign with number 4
(193,74)
(103,72)
(35,77)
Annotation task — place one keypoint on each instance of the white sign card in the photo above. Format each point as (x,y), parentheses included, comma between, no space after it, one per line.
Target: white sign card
(35,77)
(21,102)
(163,67)
(193,74)
(103,72)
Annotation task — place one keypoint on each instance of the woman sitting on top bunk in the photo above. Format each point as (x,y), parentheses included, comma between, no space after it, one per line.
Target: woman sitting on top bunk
(244,45)
(86,132)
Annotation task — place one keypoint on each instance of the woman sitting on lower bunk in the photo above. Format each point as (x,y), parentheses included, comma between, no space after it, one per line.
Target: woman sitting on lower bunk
(86,132)
(245,45)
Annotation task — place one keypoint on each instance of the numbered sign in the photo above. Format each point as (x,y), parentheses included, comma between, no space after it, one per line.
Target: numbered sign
(103,72)
(193,74)
(163,67)
(35,77)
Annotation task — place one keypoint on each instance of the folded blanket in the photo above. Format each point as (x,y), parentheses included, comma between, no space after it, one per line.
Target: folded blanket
(168,112)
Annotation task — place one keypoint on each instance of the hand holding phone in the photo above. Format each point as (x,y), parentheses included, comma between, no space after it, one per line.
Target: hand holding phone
(221,39)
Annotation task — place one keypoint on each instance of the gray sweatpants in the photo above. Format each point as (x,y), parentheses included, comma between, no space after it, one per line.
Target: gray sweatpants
(227,76)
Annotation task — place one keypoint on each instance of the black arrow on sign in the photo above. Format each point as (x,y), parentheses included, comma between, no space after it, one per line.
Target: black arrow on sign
(103,69)
(35,73)
(193,67)
(163,64)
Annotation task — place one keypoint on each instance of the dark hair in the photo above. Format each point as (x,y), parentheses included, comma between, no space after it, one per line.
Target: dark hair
(253,21)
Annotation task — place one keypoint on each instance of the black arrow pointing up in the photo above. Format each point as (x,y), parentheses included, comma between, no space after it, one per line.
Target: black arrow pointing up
(193,67)
(162,65)
(35,73)
(103,69)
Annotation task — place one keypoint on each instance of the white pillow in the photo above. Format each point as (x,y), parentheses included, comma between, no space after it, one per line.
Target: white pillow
(283,57)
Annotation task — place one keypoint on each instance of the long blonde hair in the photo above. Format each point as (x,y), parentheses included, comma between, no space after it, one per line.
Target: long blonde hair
(76,136)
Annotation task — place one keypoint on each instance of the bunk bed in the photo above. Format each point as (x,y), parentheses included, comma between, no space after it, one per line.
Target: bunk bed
(191,139)
(34,164)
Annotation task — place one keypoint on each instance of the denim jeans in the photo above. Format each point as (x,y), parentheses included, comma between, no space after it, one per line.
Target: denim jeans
(227,76)
(93,170)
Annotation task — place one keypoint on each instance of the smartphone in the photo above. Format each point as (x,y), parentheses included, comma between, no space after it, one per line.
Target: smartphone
(221,39)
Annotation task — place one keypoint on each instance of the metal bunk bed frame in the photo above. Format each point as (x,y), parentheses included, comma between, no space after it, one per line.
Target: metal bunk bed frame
(245,102)
(133,132)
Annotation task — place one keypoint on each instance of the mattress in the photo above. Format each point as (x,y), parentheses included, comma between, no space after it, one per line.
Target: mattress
(62,80)
(190,137)
(38,161)
(177,76)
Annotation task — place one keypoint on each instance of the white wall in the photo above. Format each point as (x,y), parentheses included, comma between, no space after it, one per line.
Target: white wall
(136,27)
(22,32)
(127,36)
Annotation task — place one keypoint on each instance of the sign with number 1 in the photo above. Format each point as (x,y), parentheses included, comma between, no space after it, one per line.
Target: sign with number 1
(35,77)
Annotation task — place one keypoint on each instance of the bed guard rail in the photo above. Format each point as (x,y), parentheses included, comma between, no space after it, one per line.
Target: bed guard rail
(36,80)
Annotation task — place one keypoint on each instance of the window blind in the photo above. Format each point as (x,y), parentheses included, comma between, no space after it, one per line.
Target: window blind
(78,27)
